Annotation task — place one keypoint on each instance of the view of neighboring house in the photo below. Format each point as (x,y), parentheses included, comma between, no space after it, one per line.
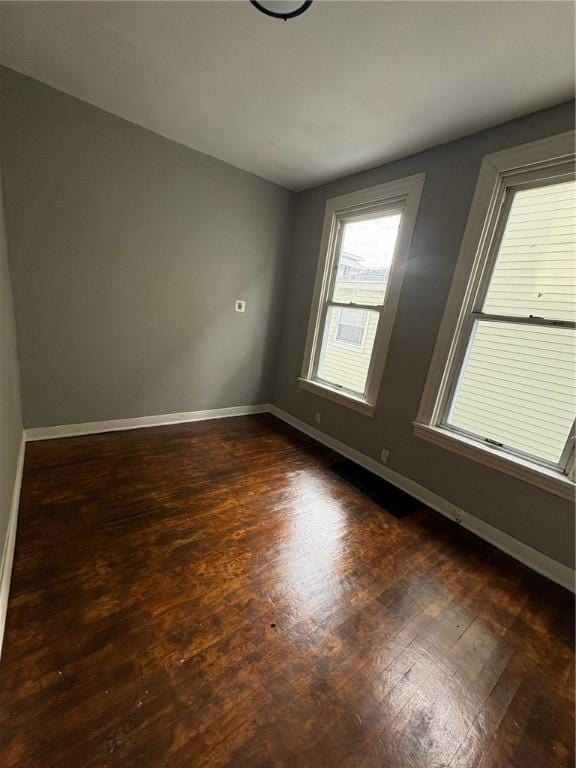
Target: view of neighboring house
(535,251)
(347,346)
(507,389)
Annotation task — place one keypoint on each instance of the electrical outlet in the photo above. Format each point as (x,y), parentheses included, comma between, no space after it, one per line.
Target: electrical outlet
(240,306)
(318,417)
(384,455)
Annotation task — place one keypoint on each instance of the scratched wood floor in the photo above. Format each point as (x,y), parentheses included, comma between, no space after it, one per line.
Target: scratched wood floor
(212,595)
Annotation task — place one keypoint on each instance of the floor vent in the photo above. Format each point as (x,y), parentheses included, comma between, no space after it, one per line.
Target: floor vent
(392,499)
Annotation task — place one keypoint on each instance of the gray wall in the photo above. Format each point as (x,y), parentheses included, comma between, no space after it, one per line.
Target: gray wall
(10,410)
(127,252)
(534,516)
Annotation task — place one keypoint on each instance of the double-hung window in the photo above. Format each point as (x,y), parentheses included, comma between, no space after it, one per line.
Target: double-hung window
(365,244)
(502,386)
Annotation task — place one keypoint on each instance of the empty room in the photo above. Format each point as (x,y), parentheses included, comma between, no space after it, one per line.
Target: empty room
(287,384)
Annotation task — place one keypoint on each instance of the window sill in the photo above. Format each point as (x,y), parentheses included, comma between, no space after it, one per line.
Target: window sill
(547,479)
(338,396)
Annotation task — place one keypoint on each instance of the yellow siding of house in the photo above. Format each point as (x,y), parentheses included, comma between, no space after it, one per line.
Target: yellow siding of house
(518,383)
(535,273)
(508,392)
(344,365)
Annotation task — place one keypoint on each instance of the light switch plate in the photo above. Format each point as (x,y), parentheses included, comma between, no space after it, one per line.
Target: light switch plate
(240,306)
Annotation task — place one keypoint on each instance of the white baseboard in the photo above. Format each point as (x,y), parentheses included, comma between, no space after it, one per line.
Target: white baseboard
(10,542)
(139,422)
(527,555)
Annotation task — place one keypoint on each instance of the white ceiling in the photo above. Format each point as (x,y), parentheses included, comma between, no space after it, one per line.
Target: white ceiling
(346,86)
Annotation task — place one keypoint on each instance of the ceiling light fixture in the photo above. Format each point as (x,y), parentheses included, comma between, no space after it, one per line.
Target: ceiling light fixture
(282,9)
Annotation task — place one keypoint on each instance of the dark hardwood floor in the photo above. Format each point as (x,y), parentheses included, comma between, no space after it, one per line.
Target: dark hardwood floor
(211,595)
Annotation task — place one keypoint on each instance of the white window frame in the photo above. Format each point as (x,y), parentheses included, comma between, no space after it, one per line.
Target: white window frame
(403,196)
(548,159)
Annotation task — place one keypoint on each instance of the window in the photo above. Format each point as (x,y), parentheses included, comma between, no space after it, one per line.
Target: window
(364,248)
(351,328)
(508,384)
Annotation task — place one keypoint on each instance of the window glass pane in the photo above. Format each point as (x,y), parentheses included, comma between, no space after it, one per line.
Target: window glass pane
(517,387)
(351,327)
(345,361)
(365,258)
(535,271)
